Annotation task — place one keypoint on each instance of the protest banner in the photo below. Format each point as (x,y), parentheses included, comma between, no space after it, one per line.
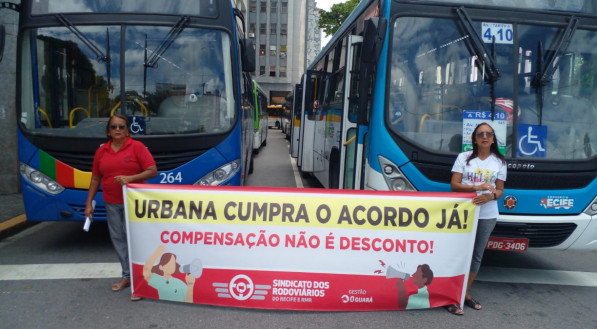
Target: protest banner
(299,249)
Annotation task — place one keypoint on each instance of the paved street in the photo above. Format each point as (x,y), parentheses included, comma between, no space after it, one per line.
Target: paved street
(54,275)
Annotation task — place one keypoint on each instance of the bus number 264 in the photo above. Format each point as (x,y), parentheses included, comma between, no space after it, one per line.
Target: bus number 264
(169,178)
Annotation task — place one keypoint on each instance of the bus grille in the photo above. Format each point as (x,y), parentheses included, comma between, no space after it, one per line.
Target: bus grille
(98,214)
(518,179)
(540,235)
(164,160)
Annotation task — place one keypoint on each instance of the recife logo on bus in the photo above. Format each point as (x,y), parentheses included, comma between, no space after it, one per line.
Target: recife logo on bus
(557,202)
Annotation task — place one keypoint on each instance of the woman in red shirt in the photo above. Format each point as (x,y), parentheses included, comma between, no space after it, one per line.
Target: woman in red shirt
(120,161)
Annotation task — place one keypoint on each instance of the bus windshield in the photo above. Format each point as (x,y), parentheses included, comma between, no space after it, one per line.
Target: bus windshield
(436,81)
(74,78)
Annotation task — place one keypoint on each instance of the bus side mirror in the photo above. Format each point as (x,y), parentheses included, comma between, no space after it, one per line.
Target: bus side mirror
(373,38)
(248,55)
(2,37)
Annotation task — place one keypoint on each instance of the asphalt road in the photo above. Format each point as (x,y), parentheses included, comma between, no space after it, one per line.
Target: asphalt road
(43,285)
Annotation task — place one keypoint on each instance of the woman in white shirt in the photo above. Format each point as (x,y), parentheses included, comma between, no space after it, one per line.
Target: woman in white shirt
(481,170)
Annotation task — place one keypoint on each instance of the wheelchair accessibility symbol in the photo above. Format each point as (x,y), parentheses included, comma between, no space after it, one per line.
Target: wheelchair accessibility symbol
(137,125)
(532,140)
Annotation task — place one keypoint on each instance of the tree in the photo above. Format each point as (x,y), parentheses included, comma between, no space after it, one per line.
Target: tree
(330,21)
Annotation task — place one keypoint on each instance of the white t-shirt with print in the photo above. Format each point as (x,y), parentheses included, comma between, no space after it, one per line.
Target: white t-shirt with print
(478,172)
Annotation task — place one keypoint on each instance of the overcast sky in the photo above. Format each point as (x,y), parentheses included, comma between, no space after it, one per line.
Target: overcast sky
(327,4)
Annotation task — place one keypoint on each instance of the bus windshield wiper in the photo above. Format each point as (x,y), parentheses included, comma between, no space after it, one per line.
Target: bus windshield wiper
(170,37)
(490,71)
(545,73)
(100,56)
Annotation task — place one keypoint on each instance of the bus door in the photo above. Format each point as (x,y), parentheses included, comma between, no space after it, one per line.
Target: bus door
(307,133)
(351,145)
(296,120)
(301,130)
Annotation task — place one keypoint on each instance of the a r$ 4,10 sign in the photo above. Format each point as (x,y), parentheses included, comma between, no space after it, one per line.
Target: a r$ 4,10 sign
(502,33)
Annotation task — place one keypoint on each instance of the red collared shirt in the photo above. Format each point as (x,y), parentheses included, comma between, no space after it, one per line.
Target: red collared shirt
(132,158)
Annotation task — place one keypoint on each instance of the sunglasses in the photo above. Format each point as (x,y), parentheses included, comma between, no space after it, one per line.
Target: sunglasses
(114,127)
(487,134)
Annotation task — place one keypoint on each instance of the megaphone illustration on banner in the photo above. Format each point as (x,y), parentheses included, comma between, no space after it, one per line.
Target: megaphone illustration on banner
(195,268)
(392,273)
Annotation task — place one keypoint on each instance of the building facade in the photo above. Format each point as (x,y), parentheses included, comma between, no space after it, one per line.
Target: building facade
(280,29)
(9,167)
(313,33)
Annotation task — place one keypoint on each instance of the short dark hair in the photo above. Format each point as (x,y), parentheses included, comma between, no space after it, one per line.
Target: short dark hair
(427,272)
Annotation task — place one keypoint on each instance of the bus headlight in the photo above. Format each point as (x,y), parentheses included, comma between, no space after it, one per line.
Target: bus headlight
(399,184)
(393,176)
(36,177)
(53,186)
(219,175)
(40,180)
(591,210)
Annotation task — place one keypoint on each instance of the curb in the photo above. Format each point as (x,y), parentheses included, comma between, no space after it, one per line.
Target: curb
(15,222)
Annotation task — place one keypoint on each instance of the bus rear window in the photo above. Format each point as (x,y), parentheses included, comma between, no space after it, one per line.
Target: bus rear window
(205,8)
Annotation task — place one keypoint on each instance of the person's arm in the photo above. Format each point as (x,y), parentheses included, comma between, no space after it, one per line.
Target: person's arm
(402,298)
(152,260)
(190,285)
(146,174)
(480,199)
(93,188)
(499,188)
(457,186)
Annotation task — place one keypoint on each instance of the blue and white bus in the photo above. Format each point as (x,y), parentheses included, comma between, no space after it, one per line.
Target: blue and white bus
(260,103)
(393,98)
(178,69)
